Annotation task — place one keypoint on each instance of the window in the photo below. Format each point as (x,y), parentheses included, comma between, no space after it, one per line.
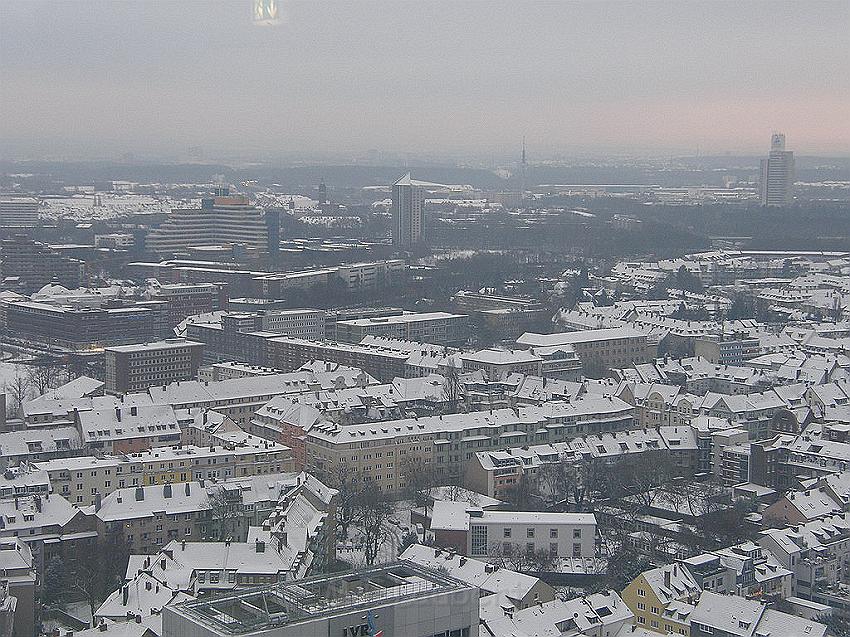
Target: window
(576,534)
(656,610)
(553,534)
(576,550)
(553,549)
(529,533)
(507,532)
(641,592)
(529,548)
(641,606)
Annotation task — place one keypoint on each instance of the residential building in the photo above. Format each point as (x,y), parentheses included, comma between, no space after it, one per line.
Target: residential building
(600,614)
(85,479)
(662,599)
(728,349)
(18,582)
(380,450)
(133,368)
(522,591)
(49,526)
(732,616)
(815,552)
(408,212)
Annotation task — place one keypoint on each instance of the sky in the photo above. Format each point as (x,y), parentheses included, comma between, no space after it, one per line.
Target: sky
(447,78)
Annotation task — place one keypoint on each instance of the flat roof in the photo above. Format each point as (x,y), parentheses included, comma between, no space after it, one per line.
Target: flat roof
(169,343)
(286,603)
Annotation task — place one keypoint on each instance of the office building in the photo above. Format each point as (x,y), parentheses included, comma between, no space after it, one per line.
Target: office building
(86,328)
(32,265)
(220,220)
(439,328)
(481,533)
(21,212)
(396,599)
(137,367)
(777,174)
(598,350)
(408,213)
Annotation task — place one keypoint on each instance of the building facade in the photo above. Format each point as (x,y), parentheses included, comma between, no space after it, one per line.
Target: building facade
(131,368)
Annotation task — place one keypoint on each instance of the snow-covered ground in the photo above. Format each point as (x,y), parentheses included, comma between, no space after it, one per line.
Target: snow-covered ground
(351,551)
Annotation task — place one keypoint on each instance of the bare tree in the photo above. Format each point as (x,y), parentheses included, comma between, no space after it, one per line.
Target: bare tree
(373,509)
(419,478)
(18,389)
(452,388)
(347,481)
(226,513)
(43,377)
(517,558)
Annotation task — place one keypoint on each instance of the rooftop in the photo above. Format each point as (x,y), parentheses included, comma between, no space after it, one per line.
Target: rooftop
(283,604)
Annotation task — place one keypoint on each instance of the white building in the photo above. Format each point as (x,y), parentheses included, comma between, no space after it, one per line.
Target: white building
(408,212)
(777,174)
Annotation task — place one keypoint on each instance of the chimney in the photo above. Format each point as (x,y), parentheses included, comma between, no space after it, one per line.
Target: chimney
(166,490)
(261,546)
(666,578)
(284,538)
(188,489)
(102,626)
(140,494)
(138,619)
(162,564)
(134,411)
(118,414)
(147,562)
(125,594)
(98,502)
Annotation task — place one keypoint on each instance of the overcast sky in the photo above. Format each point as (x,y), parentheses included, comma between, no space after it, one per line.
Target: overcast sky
(447,77)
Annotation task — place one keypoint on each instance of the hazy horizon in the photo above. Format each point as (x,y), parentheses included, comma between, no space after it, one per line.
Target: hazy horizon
(434,78)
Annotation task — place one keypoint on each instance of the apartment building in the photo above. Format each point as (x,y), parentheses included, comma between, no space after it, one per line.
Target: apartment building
(133,368)
(151,517)
(86,479)
(495,473)
(380,450)
(662,599)
(815,552)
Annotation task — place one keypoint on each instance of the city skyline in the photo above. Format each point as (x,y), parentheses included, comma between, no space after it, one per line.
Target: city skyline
(336,79)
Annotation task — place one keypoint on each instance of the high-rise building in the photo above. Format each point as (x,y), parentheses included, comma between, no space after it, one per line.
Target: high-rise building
(21,212)
(408,215)
(224,219)
(777,174)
